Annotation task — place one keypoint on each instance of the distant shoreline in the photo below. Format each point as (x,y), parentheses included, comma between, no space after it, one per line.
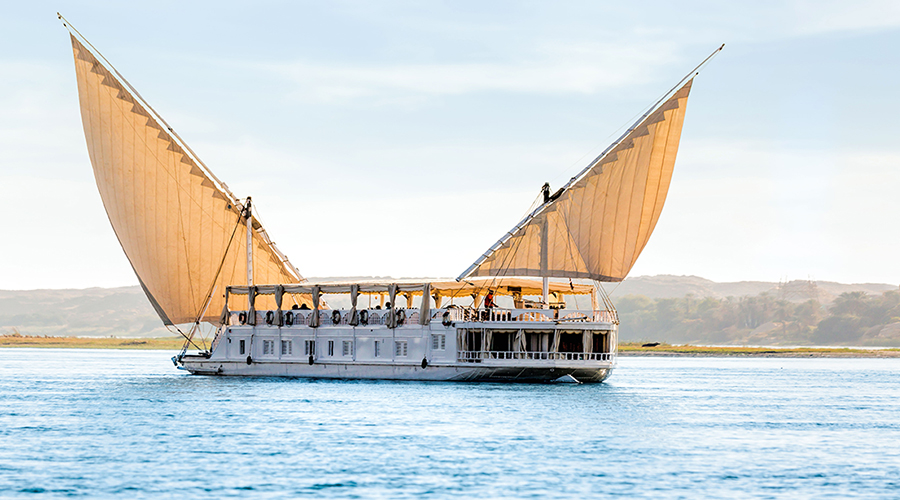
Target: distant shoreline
(665,350)
(625,349)
(172,343)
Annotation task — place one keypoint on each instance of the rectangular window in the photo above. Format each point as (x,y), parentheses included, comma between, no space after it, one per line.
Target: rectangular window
(377,348)
(331,348)
(242,346)
(348,348)
(309,348)
(438,342)
(268,347)
(286,348)
(400,348)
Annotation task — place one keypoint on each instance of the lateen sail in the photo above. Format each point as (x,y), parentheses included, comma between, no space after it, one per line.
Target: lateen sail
(182,232)
(601,222)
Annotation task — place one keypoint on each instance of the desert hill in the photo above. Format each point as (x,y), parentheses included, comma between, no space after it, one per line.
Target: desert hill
(648,306)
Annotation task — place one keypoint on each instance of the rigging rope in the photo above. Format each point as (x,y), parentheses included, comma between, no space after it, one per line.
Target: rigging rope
(213,286)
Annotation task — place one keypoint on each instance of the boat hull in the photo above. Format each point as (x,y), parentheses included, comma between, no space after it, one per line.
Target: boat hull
(199,365)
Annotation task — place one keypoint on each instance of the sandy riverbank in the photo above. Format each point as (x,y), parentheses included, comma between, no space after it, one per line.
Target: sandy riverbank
(165,343)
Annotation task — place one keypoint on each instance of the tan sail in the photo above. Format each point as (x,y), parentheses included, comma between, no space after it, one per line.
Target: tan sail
(182,231)
(600,223)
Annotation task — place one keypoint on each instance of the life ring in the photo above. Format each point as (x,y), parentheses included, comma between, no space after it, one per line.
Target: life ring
(445,319)
(242,317)
(289,318)
(336,317)
(401,316)
(364,317)
(270,317)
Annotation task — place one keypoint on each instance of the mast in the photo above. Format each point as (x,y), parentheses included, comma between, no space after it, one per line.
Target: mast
(248,218)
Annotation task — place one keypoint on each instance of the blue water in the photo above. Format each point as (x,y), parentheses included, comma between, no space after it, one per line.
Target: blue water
(126,424)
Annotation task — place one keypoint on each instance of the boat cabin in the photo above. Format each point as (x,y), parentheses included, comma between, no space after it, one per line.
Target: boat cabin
(482,322)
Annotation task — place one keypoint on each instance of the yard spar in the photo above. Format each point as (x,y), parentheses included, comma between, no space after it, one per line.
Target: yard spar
(184,233)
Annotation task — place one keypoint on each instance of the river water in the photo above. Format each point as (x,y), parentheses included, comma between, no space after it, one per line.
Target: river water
(105,423)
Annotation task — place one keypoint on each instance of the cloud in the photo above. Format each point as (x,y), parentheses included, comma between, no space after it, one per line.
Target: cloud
(551,68)
(737,209)
(830,16)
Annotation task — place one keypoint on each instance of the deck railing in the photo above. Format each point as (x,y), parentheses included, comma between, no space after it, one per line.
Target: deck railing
(478,356)
(341,317)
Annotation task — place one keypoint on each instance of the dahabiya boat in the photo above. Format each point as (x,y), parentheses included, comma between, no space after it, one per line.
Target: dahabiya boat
(204,260)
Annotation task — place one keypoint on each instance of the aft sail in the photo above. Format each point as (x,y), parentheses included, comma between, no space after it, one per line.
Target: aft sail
(600,222)
(180,228)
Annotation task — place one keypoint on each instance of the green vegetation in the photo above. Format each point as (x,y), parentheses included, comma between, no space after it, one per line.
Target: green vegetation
(853,318)
(778,352)
(16,340)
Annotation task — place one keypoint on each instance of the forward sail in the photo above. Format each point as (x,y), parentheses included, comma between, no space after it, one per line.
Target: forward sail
(599,224)
(180,228)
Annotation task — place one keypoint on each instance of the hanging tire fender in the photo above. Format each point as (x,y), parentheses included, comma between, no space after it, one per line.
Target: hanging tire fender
(364,317)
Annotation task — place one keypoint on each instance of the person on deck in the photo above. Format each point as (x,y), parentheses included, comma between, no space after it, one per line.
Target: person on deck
(489,300)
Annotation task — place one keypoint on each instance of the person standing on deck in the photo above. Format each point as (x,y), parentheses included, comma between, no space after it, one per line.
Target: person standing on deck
(489,300)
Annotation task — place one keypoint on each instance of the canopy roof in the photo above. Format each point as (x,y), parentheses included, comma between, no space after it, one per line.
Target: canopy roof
(442,287)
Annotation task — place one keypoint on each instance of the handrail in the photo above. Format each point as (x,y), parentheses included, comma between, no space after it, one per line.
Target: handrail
(453,314)
(477,356)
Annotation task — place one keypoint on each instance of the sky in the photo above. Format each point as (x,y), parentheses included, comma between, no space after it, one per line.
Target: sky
(404,138)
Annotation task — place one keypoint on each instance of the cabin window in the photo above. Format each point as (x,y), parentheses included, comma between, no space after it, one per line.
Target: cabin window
(348,348)
(377,348)
(438,342)
(309,348)
(241,346)
(268,347)
(331,348)
(286,348)
(401,348)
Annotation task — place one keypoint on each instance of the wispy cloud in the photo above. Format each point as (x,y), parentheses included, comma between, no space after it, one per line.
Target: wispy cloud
(829,16)
(550,69)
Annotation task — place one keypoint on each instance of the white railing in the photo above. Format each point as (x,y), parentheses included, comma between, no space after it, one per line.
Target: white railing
(544,315)
(473,356)
(327,317)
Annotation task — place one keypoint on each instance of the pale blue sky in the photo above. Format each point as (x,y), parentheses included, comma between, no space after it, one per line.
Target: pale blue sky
(414,134)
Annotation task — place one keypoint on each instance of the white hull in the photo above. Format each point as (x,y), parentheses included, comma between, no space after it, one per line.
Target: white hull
(365,371)
(509,351)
